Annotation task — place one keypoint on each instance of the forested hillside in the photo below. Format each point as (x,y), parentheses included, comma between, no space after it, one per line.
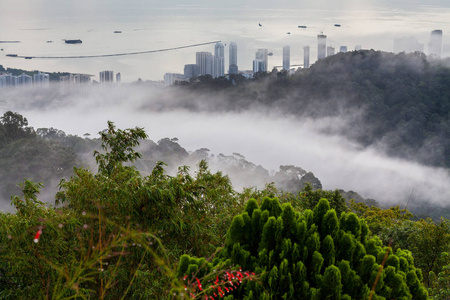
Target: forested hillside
(47,155)
(397,103)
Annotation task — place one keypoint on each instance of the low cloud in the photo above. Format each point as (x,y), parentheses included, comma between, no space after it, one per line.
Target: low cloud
(263,136)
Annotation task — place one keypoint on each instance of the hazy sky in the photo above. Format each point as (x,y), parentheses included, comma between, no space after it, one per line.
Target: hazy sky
(152,25)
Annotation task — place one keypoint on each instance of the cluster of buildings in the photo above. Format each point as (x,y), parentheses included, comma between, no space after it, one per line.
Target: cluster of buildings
(43,79)
(24,80)
(435,47)
(209,64)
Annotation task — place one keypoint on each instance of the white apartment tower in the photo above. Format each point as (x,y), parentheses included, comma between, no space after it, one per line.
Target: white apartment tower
(259,66)
(204,62)
(233,67)
(106,76)
(24,80)
(330,50)
(286,58)
(262,55)
(321,46)
(306,57)
(435,45)
(41,79)
(219,60)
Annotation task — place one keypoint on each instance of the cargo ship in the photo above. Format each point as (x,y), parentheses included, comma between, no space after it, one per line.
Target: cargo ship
(73,41)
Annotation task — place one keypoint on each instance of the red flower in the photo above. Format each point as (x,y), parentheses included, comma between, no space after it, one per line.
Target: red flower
(38,234)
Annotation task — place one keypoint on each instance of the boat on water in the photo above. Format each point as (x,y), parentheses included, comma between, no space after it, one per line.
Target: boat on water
(73,41)
(117,31)
(11,55)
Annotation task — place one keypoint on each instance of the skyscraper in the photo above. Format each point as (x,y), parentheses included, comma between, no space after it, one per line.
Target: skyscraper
(41,79)
(191,70)
(219,60)
(262,54)
(24,80)
(321,46)
(306,57)
(343,49)
(106,76)
(258,66)
(233,68)
(286,58)
(217,66)
(204,63)
(330,50)
(435,45)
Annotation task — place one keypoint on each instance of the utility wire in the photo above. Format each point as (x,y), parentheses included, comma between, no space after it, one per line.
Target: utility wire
(117,54)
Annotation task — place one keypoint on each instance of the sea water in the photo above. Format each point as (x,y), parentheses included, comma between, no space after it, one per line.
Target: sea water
(42,26)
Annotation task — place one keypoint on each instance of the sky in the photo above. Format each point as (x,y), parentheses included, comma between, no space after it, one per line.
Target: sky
(152,25)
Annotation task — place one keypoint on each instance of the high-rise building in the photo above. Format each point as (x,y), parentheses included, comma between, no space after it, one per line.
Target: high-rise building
(407,45)
(24,80)
(8,80)
(435,45)
(41,79)
(118,77)
(75,79)
(321,46)
(174,78)
(106,76)
(233,67)
(343,49)
(204,63)
(262,54)
(217,67)
(330,51)
(286,58)
(306,57)
(219,60)
(259,66)
(219,50)
(191,70)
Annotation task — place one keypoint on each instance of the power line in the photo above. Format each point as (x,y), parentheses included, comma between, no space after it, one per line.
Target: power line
(117,54)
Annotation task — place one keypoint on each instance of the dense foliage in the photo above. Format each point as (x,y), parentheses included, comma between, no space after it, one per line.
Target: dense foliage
(104,241)
(48,154)
(117,234)
(313,255)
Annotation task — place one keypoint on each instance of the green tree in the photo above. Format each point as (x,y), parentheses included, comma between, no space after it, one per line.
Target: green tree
(13,127)
(305,266)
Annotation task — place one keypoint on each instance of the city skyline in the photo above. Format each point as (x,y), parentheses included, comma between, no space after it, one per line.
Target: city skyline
(214,65)
(152,26)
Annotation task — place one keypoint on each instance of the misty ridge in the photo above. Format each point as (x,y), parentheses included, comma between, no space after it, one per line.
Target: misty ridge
(368,121)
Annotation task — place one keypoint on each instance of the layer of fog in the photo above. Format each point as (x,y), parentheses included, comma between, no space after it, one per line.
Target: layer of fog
(264,137)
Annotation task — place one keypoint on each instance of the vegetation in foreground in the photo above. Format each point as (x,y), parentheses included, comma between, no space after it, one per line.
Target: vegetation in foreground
(115,234)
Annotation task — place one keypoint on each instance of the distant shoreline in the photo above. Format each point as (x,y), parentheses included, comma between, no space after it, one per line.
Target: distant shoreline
(9,42)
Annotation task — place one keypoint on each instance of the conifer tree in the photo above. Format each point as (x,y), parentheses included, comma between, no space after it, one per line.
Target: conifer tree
(312,255)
